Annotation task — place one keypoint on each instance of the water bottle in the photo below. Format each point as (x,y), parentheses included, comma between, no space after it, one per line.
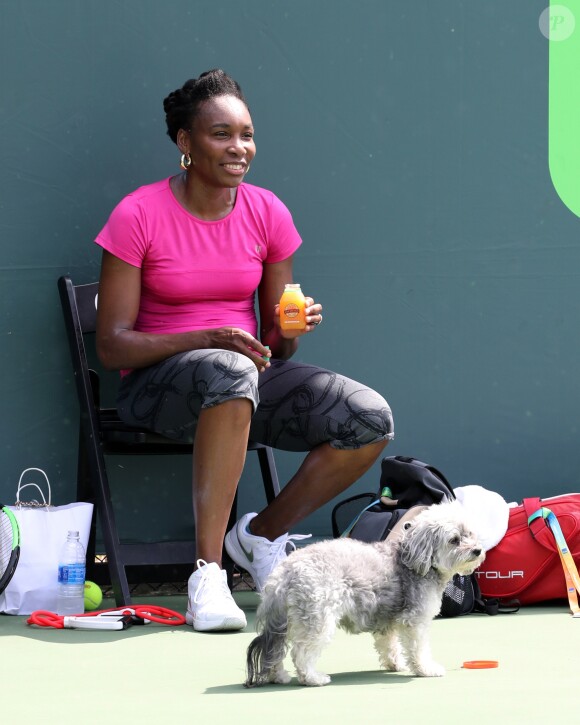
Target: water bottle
(71,576)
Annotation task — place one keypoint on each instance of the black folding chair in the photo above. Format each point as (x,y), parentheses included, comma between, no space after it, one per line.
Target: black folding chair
(101,432)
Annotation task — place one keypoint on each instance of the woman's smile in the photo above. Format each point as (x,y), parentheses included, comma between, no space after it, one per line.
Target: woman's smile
(235,168)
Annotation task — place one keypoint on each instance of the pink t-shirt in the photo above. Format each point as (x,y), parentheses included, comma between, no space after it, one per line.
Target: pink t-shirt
(198,274)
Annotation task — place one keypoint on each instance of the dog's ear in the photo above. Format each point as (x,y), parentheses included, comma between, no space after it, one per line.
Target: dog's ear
(417,547)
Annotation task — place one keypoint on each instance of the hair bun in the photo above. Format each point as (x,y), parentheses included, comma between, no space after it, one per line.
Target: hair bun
(173,100)
(181,105)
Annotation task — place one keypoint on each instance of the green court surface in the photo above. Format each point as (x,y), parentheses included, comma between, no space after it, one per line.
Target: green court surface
(157,674)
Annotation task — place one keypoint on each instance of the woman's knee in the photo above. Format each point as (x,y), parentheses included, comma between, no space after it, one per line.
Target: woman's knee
(369,420)
(227,376)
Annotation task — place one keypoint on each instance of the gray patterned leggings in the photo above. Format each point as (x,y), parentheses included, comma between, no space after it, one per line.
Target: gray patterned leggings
(296,406)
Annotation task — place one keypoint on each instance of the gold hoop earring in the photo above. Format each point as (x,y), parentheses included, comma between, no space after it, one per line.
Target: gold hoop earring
(247,169)
(185,162)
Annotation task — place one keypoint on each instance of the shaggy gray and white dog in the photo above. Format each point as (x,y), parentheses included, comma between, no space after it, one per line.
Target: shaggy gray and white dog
(392,589)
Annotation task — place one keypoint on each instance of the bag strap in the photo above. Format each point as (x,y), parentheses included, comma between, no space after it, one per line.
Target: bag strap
(336,523)
(355,521)
(22,486)
(539,529)
(386,498)
(491,605)
(570,571)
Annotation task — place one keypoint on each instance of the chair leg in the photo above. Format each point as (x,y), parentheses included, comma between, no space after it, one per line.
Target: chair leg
(102,493)
(86,493)
(269,473)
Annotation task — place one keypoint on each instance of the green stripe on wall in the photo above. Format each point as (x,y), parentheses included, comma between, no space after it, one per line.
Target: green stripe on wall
(564,101)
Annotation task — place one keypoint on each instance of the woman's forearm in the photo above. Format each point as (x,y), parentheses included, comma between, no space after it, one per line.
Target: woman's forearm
(131,349)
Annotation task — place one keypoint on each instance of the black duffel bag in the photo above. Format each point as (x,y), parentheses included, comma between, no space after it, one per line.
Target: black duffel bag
(407,483)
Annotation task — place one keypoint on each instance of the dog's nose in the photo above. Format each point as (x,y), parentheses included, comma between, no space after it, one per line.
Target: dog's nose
(476,552)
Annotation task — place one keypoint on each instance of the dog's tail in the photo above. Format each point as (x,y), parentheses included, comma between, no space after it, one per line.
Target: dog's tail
(267,651)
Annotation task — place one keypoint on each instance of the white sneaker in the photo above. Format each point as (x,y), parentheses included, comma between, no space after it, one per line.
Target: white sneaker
(257,555)
(210,604)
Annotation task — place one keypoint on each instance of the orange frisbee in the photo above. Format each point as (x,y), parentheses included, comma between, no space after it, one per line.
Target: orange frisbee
(480,664)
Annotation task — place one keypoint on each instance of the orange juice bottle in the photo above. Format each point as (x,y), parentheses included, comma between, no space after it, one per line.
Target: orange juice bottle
(292,308)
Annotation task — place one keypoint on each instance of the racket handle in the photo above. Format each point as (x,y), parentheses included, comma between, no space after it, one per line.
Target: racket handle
(116,621)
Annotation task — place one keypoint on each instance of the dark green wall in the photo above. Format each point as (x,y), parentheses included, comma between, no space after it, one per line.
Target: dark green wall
(410,141)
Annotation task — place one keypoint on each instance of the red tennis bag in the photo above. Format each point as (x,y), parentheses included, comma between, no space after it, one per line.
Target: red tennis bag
(526,564)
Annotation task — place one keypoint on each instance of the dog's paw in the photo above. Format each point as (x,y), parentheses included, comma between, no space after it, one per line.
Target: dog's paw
(280,677)
(314,679)
(393,664)
(430,669)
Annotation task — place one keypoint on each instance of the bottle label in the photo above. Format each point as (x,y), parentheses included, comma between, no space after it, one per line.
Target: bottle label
(291,310)
(71,573)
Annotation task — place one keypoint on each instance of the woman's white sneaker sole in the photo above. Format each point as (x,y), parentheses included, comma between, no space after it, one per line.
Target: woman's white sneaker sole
(217,624)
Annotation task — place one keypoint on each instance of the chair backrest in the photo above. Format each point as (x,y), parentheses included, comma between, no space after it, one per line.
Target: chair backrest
(86,297)
(79,306)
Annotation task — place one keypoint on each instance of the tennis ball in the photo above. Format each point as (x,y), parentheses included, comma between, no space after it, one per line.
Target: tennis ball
(93,596)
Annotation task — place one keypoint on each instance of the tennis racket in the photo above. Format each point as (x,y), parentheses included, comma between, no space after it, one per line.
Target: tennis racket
(9,546)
